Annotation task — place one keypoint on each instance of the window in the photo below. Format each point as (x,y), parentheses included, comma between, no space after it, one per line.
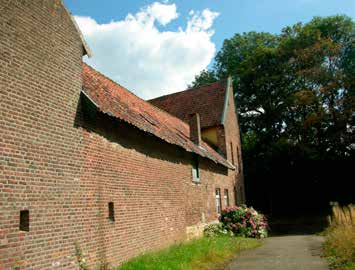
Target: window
(235,195)
(241,195)
(226,198)
(195,169)
(111,211)
(239,159)
(25,220)
(232,154)
(218,201)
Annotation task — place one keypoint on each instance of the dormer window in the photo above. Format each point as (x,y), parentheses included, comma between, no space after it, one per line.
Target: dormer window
(195,169)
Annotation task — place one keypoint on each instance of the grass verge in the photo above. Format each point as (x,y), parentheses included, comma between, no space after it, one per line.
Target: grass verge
(202,254)
(339,247)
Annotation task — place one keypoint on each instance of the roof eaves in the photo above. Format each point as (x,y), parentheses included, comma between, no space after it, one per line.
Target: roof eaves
(89,98)
(203,152)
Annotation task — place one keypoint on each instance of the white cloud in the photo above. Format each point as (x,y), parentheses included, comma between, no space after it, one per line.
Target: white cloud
(161,12)
(148,61)
(201,21)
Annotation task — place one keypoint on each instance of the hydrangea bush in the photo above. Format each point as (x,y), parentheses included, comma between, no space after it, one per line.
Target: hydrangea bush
(244,221)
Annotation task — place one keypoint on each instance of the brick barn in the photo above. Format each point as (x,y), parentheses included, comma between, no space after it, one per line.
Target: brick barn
(84,161)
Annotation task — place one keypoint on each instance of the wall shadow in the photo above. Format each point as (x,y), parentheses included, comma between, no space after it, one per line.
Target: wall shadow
(128,136)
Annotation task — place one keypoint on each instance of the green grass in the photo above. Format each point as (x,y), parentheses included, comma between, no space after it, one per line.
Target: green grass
(200,254)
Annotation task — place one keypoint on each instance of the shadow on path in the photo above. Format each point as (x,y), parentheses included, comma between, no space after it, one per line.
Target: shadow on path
(301,225)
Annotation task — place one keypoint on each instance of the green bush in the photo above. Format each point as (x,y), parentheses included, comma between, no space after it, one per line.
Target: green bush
(213,230)
(244,221)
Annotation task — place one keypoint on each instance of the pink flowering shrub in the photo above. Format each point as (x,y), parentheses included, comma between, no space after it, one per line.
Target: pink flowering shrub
(244,221)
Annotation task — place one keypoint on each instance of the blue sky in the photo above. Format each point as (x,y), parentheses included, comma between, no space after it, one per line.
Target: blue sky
(167,54)
(236,16)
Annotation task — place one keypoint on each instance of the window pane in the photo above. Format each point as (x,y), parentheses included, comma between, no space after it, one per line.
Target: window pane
(226,197)
(218,201)
(195,168)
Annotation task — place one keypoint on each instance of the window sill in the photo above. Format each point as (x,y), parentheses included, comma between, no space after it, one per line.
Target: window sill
(196,181)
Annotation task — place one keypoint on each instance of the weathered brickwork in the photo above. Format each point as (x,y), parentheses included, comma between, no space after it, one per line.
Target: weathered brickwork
(65,168)
(231,135)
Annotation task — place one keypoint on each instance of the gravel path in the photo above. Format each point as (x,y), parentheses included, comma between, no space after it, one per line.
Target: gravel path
(301,252)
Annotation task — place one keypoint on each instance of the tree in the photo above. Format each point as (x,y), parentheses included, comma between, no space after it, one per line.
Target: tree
(294,95)
(321,54)
(205,77)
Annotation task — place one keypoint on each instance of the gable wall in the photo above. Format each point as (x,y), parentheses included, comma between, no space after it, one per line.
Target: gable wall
(65,171)
(209,135)
(40,150)
(231,134)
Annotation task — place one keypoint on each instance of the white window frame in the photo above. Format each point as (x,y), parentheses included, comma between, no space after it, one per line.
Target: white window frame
(218,201)
(195,169)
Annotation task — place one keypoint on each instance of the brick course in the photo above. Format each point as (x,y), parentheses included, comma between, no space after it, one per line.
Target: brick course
(65,168)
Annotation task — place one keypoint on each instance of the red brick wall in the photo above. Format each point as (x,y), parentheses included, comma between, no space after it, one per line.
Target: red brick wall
(65,169)
(232,140)
(40,151)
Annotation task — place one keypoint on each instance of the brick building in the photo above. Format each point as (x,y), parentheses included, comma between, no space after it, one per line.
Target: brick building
(84,161)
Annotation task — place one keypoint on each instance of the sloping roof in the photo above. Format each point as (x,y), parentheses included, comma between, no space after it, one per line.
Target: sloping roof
(207,100)
(115,100)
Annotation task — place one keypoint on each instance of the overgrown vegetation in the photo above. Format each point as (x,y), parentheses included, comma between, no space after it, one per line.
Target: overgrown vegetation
(216,229)
(205,253)
(80,258)
(244,221)
(294,94)
(339,248)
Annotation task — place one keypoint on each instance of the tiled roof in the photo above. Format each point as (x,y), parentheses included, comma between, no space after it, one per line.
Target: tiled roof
(115,100)
(207,100)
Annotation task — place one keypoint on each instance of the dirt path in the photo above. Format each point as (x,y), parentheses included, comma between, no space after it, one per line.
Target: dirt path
(301,252)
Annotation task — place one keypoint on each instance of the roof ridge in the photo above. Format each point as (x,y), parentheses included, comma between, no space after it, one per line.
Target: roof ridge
(186,90)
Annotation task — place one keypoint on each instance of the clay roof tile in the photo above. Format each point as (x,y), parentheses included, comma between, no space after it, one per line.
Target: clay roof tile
(115,100)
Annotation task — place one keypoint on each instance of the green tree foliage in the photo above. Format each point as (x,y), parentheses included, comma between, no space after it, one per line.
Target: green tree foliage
(205,77)
(294,93)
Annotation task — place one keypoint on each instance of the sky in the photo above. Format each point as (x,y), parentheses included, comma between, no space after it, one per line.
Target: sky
(155,48)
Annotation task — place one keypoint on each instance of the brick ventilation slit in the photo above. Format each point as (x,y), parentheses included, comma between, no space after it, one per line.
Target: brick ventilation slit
(25,220)
(232,153)
(111,211)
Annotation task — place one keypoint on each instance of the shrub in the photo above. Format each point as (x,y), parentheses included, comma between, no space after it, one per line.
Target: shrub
(213,230)
(244,221)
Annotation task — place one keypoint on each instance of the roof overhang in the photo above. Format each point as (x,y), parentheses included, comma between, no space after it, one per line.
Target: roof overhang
(202,151)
